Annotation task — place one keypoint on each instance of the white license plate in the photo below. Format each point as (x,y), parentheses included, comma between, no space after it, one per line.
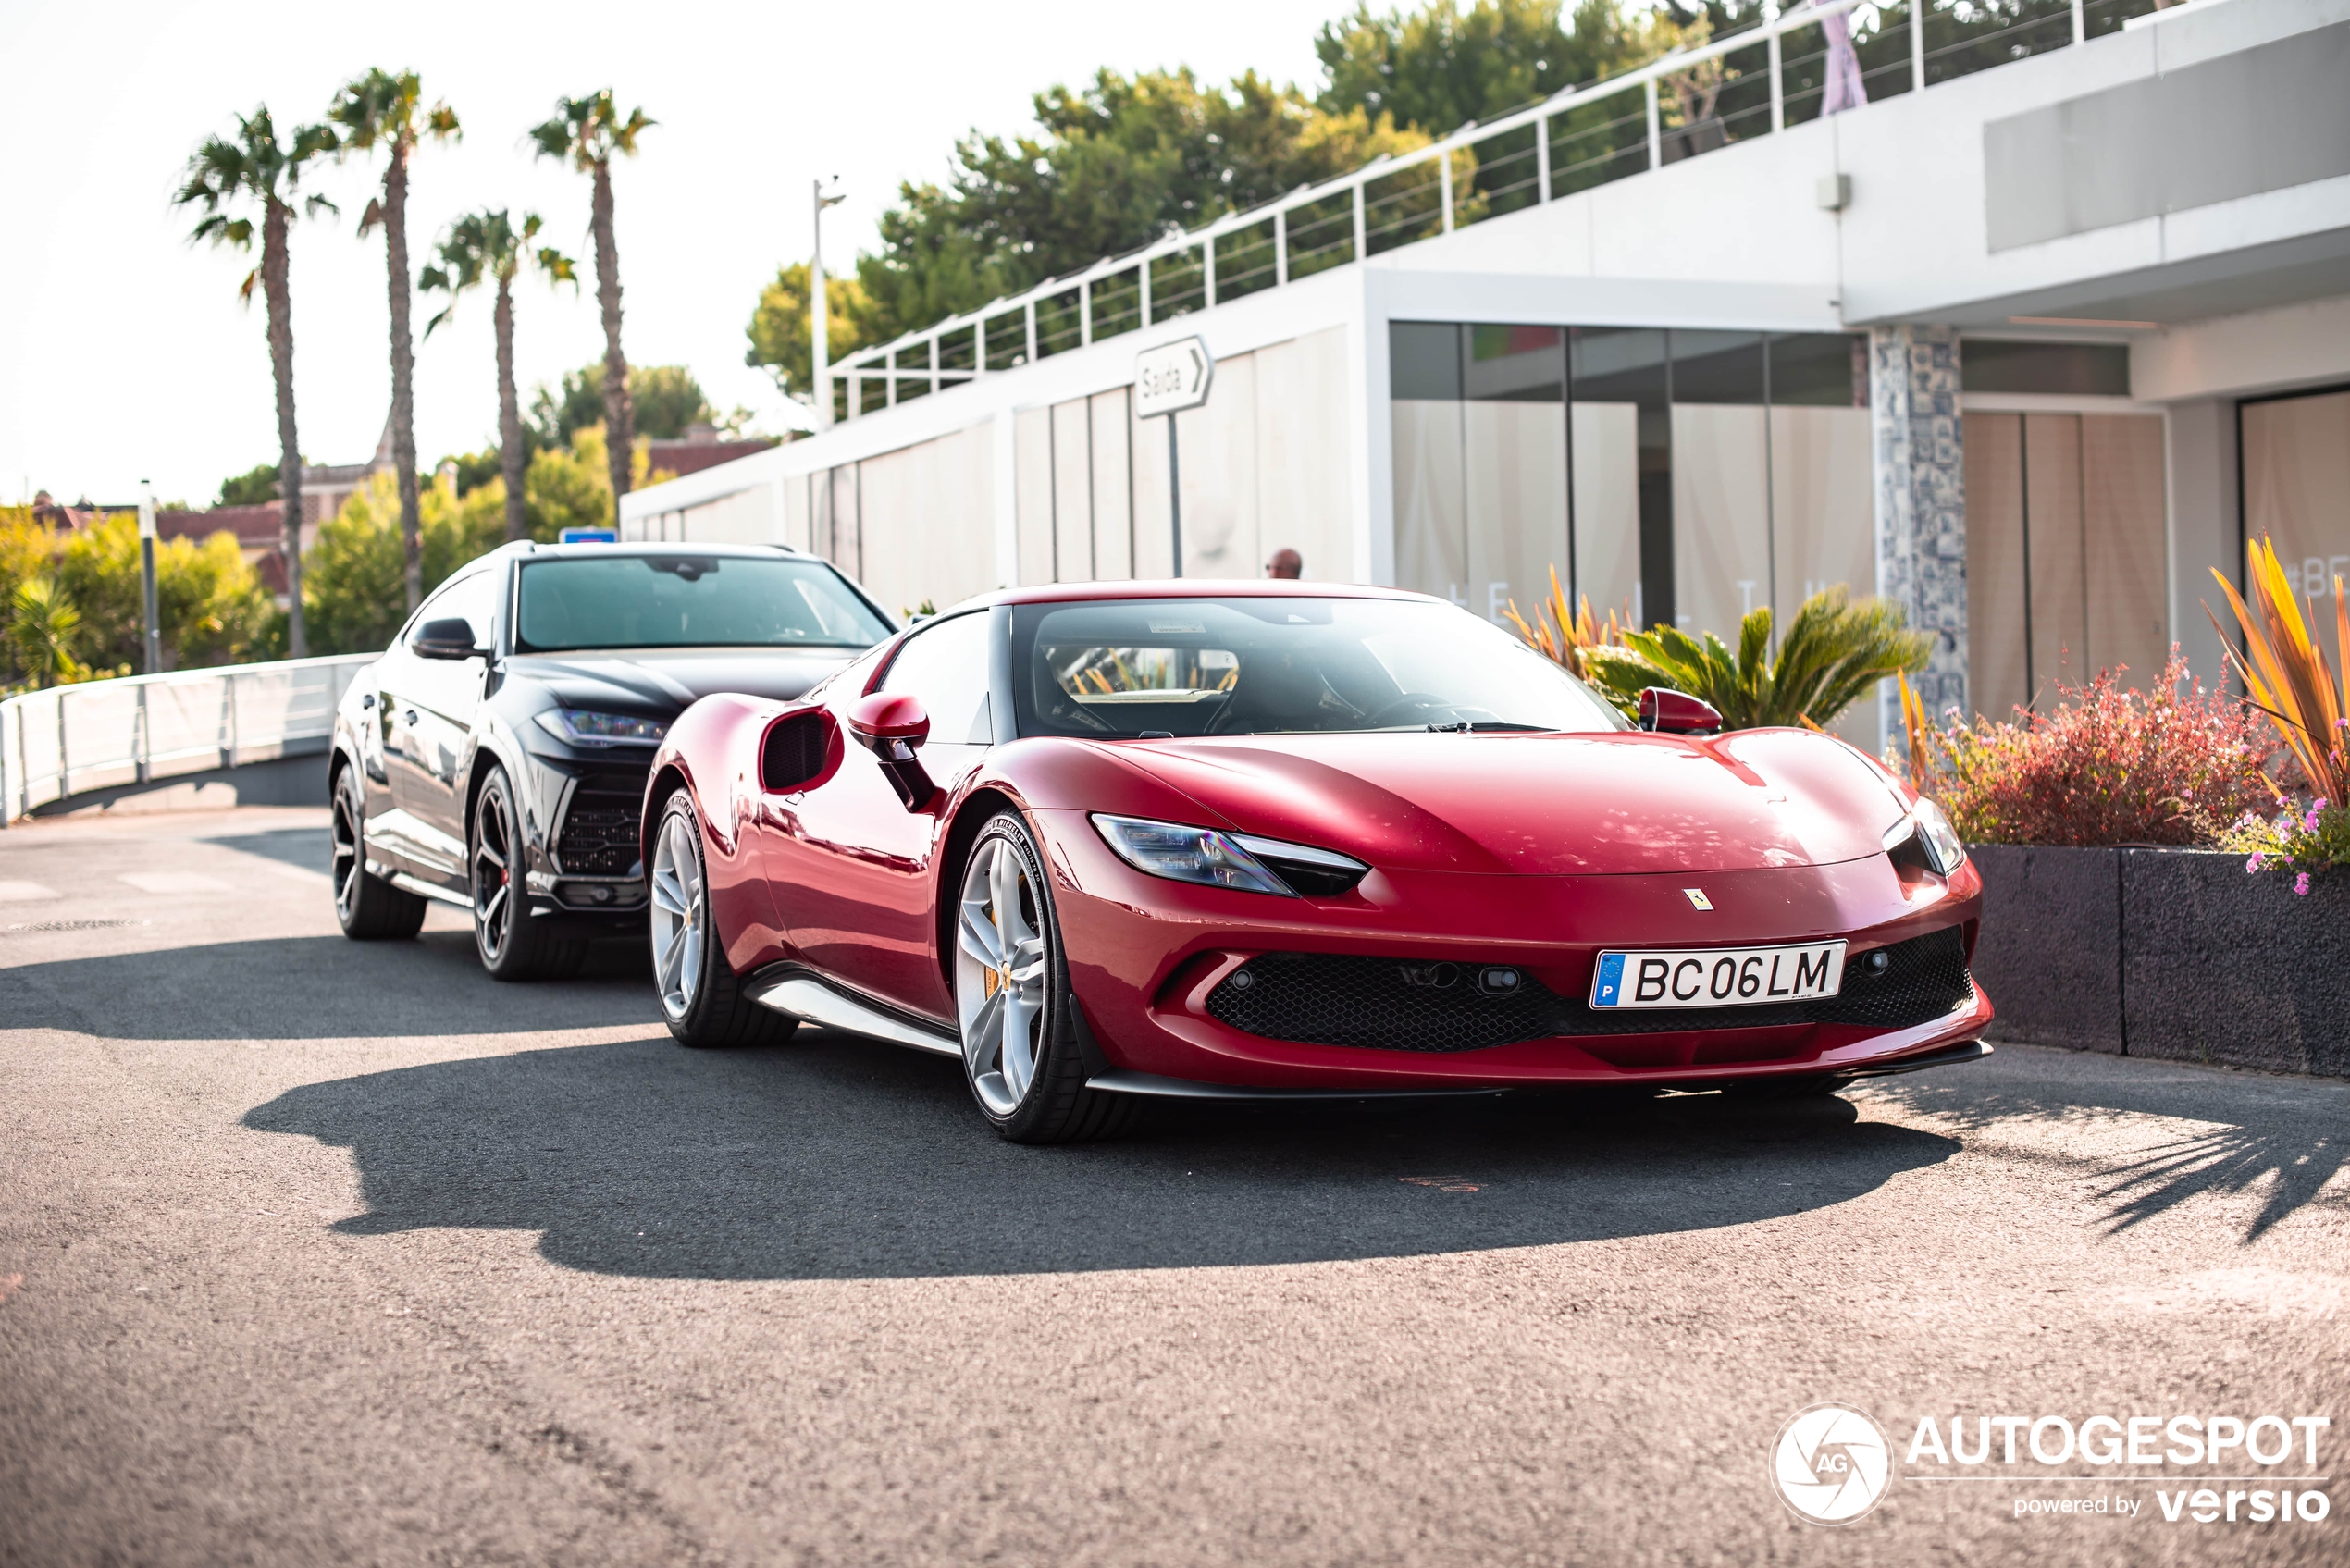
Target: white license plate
(1717,977)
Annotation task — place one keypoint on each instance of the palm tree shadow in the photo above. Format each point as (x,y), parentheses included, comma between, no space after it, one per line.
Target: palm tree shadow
(831,1158)
(2288,1140)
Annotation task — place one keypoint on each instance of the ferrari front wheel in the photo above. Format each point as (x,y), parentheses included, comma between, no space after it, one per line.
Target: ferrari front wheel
(1012,999)
(701,1000)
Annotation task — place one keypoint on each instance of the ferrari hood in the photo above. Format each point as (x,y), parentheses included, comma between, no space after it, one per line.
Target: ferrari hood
(669,683)
(1545,804)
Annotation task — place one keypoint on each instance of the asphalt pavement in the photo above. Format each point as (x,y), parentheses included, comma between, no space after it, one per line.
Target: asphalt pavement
(321,1252)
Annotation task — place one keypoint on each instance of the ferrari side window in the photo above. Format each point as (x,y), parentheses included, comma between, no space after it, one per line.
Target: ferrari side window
(945,664)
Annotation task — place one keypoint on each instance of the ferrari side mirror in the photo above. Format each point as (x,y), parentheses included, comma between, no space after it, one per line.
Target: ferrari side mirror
(890,725)
(887,722)
(1677,713)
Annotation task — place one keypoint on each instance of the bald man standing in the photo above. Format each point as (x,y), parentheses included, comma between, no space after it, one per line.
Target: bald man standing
(1286,563)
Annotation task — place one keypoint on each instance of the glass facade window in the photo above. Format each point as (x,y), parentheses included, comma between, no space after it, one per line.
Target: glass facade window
(2296,491)
(1672,476)
(2066,554)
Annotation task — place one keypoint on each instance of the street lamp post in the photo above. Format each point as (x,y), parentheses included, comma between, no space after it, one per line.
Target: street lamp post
(817,313)
(147,576)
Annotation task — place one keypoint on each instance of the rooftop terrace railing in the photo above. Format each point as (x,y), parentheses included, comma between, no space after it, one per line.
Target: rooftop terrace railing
(1753,82)
(99,735)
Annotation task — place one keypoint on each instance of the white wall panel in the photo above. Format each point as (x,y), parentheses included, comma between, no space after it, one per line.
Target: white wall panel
(1304,497)
(1113,482)
(1033,492)
(1072,493)
(747,517)
(1219,461)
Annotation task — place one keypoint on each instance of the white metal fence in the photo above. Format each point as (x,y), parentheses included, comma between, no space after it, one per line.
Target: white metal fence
(71,740)
(1754,82)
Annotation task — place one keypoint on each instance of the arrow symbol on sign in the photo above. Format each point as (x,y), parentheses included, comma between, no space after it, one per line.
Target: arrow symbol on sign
(1199,365)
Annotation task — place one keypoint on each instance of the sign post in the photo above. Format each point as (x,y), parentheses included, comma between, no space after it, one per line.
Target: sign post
(1168,380)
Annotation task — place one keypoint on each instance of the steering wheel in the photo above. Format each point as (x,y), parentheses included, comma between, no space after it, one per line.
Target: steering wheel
(1411,704)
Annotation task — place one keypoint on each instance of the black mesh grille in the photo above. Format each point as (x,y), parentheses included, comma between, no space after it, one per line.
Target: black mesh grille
(1326,999)
(599,831)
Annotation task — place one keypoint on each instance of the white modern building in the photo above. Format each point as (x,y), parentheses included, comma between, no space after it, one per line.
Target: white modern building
(2032,349)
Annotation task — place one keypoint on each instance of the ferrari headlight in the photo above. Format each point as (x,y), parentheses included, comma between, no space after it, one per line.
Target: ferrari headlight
(1941,840)
(1188,854)
(583,726)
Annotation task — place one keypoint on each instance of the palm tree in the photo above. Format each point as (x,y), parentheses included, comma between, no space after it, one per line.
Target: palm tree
(42,624)
(382,110)
(255,168)
(1834,650)
(486,245)
(590,132)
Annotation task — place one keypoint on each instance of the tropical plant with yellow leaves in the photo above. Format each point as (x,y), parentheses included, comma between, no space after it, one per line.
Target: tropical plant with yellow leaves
(1567,636)
(2284,670)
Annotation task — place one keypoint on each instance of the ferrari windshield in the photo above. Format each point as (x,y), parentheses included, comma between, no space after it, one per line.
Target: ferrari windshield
(1168,667)
(688,601)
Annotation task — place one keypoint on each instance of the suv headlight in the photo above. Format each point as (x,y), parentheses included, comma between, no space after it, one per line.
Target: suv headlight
(1941,840)
(582,726)
(1188,854)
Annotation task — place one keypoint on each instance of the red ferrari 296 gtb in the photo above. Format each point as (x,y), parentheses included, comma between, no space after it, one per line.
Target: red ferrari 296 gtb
(1103,841)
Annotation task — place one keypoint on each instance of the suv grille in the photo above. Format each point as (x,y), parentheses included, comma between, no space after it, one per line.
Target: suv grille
(1325,1000)
(600,830)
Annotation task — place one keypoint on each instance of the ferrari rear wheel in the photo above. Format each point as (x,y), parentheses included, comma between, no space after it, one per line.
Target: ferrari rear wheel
(1013,1002)
(701,1000)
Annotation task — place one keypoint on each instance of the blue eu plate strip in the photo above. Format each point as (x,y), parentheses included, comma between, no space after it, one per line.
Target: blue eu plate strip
(1611,980)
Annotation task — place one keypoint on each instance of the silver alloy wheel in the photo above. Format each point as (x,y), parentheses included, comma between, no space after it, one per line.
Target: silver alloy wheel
(493,867)
(679,914)
(351,850)
(1000,964)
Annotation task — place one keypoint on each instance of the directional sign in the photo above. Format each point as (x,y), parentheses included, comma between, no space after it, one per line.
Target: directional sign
(1173,378)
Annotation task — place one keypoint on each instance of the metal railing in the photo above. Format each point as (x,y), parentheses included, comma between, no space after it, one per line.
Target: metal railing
(1755,81)
(99,735)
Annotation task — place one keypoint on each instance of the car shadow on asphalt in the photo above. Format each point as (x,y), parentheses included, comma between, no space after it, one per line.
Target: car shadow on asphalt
(318,987)
(834,1159)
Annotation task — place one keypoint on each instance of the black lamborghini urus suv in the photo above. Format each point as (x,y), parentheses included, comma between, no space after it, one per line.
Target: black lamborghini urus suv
(495,757)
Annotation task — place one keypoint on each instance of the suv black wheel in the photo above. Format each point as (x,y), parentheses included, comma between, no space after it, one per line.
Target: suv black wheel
(367,907)
(511,943)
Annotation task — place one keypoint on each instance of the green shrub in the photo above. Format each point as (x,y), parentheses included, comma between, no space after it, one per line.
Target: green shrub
(2105,765)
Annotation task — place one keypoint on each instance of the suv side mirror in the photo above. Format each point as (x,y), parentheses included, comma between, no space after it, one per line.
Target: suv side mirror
(453,639)
(891,724)
(1677,713)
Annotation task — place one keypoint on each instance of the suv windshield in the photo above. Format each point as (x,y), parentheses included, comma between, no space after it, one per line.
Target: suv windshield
(1265,666)
(687,600)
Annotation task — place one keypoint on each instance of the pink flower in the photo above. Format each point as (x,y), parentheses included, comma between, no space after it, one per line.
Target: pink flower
(2301,884)
(2253,865)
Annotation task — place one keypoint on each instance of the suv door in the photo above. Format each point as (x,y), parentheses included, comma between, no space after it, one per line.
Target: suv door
(851,865)
(429,706)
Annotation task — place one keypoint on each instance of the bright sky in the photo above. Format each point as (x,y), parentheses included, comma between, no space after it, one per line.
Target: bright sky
(125,355)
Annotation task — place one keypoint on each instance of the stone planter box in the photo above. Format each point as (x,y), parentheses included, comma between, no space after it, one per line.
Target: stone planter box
(2174,954)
